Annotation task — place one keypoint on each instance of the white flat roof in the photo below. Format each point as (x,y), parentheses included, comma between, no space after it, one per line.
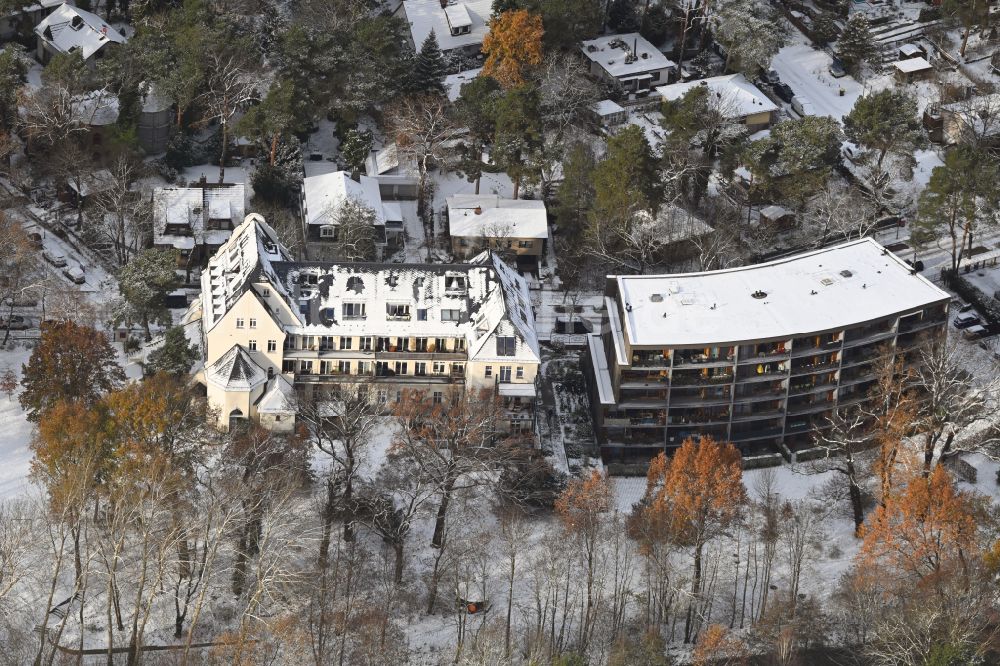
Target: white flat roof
(739,97)
(612,52)
(825,290)
(911,65)
(426,15)
(513,218)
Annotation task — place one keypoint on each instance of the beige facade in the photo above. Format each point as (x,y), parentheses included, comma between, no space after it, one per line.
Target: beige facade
(274,328)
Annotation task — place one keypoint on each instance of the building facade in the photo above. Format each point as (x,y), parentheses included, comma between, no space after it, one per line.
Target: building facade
(273,328)
(760,355)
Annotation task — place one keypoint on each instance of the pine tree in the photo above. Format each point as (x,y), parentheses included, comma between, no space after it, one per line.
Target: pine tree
(856,45)
(144,283)
(884,121)
(428,68)
(176,355)
(355,148)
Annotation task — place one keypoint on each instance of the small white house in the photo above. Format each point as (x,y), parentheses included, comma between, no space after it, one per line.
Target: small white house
(478,222)
(324,193)
(629,62)
(459,25)
(912,69)
(610,113)
(70,29)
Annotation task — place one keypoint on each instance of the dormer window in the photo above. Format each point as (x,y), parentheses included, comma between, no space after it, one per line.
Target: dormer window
(397,311)
(456,284)
(328,231)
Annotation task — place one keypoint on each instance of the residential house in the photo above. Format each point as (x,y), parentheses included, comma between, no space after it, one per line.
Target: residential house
(975,120)
(69,29)
(518,227)
(392,327)
(196,220)
(458,25)
(322,196)
(911,70)
(19,22)
(761,355)
(734,96)
(628,62)
(609,113)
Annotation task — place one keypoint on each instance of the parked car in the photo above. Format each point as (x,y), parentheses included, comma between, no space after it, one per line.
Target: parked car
(966,320)
(802,106)
(961,305)
(14,323)
(784,92)
(21,300)
(974,332)
(837,69)
(75,273)
(57,259)
(771,76)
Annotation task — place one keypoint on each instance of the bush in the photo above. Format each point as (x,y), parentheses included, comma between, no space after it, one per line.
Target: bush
(181,152)
(271,184)
(131,345)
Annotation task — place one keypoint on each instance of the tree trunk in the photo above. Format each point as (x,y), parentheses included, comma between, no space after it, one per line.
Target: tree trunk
(695,593)
(965,42)
(856,505)
(324,543)
(222,152)
(439,521)
(274,149)
(397,571)
(145,326)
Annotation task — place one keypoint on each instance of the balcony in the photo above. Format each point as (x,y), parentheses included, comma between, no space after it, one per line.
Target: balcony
(755,415)
(909,326)
(403,355)
(809,368)
(647,359)
(698,358)
(701,380)
(810,407)
(763,357)
(811,387)
(757,396)
(868,336)
(759,433)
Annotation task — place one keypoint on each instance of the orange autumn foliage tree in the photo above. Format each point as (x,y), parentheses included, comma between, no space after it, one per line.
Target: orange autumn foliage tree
(512,46)
(694,497)
(717,646)
(924,532)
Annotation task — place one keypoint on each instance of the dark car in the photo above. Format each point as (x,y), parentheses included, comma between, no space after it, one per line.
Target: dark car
(784,92)
(966,320)
(15,323)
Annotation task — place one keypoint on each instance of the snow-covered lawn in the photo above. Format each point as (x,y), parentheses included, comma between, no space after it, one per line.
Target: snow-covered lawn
(15,432)
(806,70)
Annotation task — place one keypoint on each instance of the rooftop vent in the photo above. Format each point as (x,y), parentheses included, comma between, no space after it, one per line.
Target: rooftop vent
(826,282)
(846,273)
(656,298)
(687,300)
(759,294)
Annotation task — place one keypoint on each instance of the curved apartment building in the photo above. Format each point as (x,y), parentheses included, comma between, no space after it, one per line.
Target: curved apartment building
(759,355)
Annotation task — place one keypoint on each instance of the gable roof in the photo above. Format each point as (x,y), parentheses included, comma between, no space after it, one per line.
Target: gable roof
(496,217)
(191,207)
(245,257)
(236,371)
(740,97)
(277,397)
(70,28)
(323,195)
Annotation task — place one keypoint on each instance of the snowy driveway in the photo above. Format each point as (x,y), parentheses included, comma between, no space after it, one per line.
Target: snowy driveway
(805,69)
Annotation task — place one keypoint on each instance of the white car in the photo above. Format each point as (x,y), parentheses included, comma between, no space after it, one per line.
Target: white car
(802,106)
(57,259)
(75,274)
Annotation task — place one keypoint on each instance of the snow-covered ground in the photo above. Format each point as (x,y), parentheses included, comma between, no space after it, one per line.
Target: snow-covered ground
(806,70)
(15,432)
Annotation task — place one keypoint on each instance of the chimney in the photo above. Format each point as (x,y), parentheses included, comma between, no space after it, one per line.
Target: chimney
(479,209)
(444,3)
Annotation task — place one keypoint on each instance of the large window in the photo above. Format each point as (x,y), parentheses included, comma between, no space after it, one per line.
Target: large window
(354,310)
(505,373)
(506,345)
(397,311)
(450,315)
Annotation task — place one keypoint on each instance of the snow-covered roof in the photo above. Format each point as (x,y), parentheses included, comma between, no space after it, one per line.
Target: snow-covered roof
(825,290)
(477,301)
(236,371)
(386,159)
(911,65)
(607,107)
(602,373)
(31,7)
(324,194)
(487,215)
(98,181)
(426,15)
(155,101)
(96,108)
(624,56)
(245,257)
(910,50)
(189,208)
(739,97)
(277,398)
(453,82)
(70,28)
